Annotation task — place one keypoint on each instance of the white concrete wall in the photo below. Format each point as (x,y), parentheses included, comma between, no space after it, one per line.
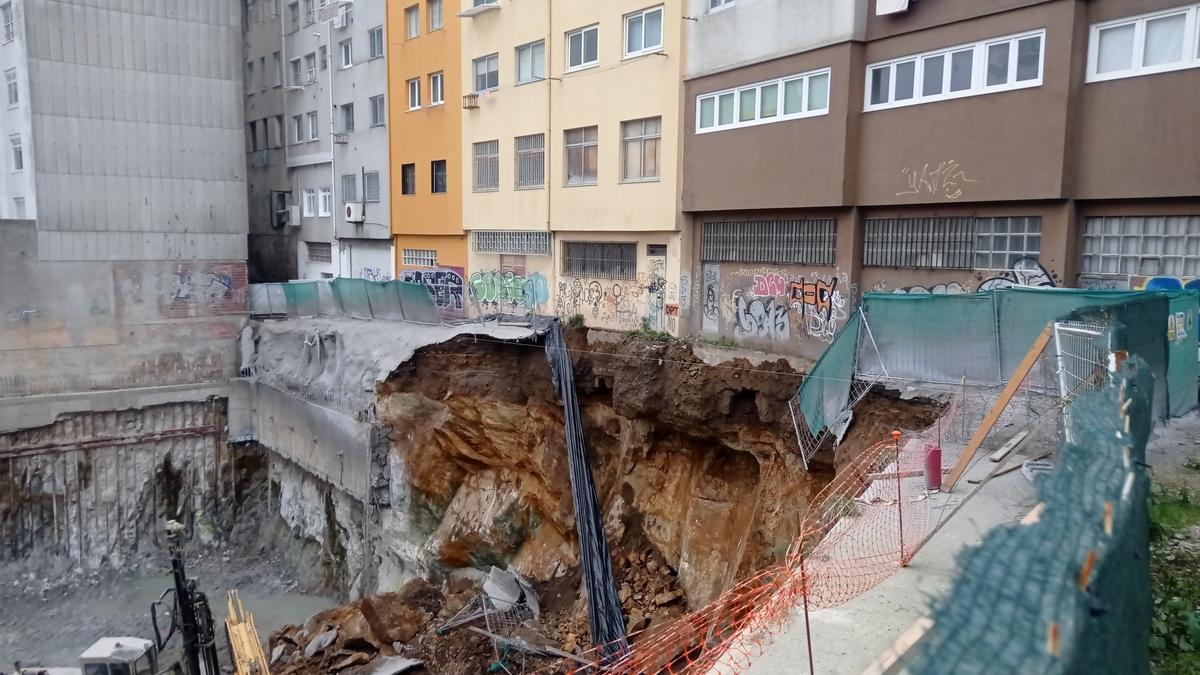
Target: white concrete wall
(16,120)
(750,31)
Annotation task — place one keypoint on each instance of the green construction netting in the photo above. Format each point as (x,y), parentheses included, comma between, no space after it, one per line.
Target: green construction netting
(824,392)
(417,302)
(1137,325)
(302,298)
(1023,579)
(352,296)
(1022,313)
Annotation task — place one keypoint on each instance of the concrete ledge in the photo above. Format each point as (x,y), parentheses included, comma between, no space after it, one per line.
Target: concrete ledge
(35,411)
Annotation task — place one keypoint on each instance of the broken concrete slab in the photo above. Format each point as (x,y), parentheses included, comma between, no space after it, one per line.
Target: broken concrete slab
(320,643)
(393,665)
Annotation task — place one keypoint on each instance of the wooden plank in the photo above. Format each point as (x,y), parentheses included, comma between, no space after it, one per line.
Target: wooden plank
(1008,469)
(885,662)
(912,473)
(1008,447)
(1010,390)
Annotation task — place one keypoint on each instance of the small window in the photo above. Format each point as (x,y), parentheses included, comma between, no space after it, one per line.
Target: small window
(531,161)
(347,49)
(371,186)
(297,128)
(418,257)
(1146,44)
(249,77)
(298,79)
(599,259)
(10,84)
(408,179)
(293,17)
(487,166)
(582,154)
(313,127)
(326,203)
(310,12)
(277,63)
(347,117)
(437,173)
(375,42)
(714,5)
(319,251)
(806,242)
(414,93)
(639,149)
(412,22)
(803,95)
(487,72)
(511,242)
(643,31)
(583,47)
(349,188)
(252,136)
(6,18)
(310,68)
(433,8)
(310,203)
(378,111)
(437,89)
(531,62)
(323,58)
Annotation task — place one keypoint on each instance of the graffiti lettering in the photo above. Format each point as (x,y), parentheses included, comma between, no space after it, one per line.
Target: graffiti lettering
(814,298)
(1025,271)
(1164,283)
(191,285)
(770,285)
(710,289)
(445,285)
(951,288)
(760,317)
(943,179)
(374,274)
(508,291)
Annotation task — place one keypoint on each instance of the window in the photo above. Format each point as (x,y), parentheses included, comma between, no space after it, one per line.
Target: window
(310,203)
(437,174)
(943,243)
(249,77)
(419,257)
(293,17)
(414,93)
(313,128)
(375,42)
(803,95)
(346,48)
(487,72)
(582,48)
(323,58)
(10,83)
(639,149)
(808,242)
(1146,44)
(643,31)
(371,186)
(310,12)
(19,206)
(1001,242)
(297,73)
(437,90)
(1001,64)
(18,154)
(347,117)
(252,135)
(599,259)
(487,166)
(297,128)
(511,242)
(433,9)
(412,21)
(531,161)
(1142,245)
(408,179)
(275,131)
(349,188)
(310,68)
(714,5)
(531,62)
(582,155)
(319,251)
(378,112)
(6,17)
(277,63)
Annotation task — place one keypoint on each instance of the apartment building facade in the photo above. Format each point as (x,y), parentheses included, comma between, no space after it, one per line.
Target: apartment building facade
(570,154)
(933,147)
(425,125)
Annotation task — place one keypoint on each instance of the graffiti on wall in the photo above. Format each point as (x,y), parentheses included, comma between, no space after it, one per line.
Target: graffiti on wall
(445,285)
(710,293)
(763,318)
(951,288)
(944,179)
(374,274)
(509,292)
(192,285)
(774,304)
(614,303)
(1026,271)
(1094,282)
(1164,283)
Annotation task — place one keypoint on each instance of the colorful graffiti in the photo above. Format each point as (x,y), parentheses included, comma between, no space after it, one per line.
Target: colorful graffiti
(1164,283)
(760,317)
(711,293)
(613,304)
(1026,271)
(952,288)
(770,284)
(445,285)
(773,304)
(502,291)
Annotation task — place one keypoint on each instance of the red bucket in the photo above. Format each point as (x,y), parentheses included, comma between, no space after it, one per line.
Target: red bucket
(933,467)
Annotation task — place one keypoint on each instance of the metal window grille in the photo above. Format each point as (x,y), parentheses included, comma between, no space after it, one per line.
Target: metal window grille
(319,251)
(1000,242)
(600,259)
(942,243)
(371,186)
(487,166)
(419,257)
(1142,245)
(811,241)
(511,242)
(349,188)
(531,161)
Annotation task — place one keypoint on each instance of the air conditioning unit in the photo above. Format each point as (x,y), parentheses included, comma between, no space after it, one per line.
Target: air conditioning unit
(293,216)
(354,212)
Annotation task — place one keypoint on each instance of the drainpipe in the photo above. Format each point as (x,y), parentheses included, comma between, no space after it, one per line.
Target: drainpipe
(332,167)
(549,113)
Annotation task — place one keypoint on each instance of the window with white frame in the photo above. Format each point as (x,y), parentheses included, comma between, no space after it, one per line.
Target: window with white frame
(1001,242)
(599,259)
(274,131)
(349,188)
(310,68)
(999,64)
(1145,44)
(310,203)
(346,47)
(1142,245)
(714,5)
(252,136)
(277,63)
(18,153)
(419,257)
(437,89)
(487,166)
(310,12)
(433,8)
(249,77)
(319,251)
(792,97)
(10,84)
(530,153)
(511,242)
(412,22)
(6,18)
(531,62)
(297,128)
(19,206)
(583,48)
(297,73)
(294,17)
(375,42)
(414,93)
(326,204)
(371,186)
(378,111)
(639,149)
(487,72)
(582,155)
(347,117)
(313,127)
(322,58)
(643,31)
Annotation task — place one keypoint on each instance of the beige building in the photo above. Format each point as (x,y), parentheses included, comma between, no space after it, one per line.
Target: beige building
(570,155)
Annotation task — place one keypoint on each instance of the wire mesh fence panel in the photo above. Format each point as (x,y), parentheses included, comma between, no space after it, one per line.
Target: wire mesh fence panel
(383,300)
(417,302)
(352,297)
(267,300)
(302,297)
(1082,351)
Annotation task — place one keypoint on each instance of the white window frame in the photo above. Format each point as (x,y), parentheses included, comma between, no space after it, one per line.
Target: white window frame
(414,93)
(10,29)
(371,187)
(437,88)
(582,146)
(17,152)
(439,14)
(1191,45)
(297,72)
(310,203)
(643,13)
(325,206)
(582,32)
(779,116)
(530,47)
(640,141)
(978,72)
(412,21)
(485,61)
(378,104)
(485,166)
(719,5)
(314,125)
(346,115)
(310,68)
(346,49)
(371,41)
(418,257)
(297,129)
(12,88)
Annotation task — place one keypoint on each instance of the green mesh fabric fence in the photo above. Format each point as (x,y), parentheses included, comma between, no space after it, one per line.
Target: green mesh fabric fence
(1183,347)
(302,298)
(385,302)
(931,338)
(1137,325)
(416,302)
(824,392)
(352,296)
(1021,586)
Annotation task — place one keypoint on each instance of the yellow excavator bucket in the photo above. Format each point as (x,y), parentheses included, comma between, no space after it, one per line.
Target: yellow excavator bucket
(248,657)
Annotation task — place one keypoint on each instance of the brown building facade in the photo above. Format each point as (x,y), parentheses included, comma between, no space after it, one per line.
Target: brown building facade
(957,146)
